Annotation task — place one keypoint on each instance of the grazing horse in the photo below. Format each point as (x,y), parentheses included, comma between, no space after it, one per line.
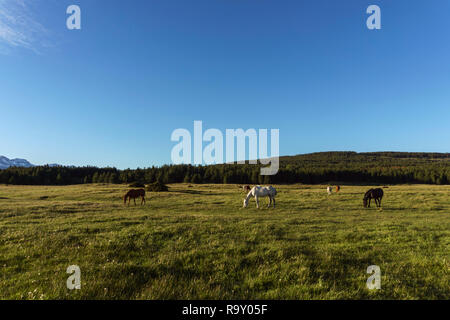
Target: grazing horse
(376,194)
(329,190)
(338,188)
(133,194)
(258,191)
(246,188)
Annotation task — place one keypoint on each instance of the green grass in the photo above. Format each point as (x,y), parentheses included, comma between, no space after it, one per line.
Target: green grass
(197,242)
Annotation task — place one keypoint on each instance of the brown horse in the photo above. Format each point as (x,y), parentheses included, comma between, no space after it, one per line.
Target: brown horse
(338,188)
(133,194)
(246,188)
(376,194)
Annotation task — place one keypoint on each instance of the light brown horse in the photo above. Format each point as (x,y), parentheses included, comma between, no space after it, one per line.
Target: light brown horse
(133,194)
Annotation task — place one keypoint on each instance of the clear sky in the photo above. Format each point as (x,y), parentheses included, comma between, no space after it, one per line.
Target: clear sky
(111,93)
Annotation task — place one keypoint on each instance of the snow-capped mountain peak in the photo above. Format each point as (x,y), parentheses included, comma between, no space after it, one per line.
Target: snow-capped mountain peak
(6,163)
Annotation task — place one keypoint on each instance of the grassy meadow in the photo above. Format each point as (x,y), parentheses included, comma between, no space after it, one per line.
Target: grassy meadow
(197,242)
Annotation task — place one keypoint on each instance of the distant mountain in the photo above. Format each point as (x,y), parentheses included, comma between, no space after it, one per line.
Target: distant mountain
(6,163)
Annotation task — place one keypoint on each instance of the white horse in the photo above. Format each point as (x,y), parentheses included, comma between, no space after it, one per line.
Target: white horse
(258,191)
(329,190)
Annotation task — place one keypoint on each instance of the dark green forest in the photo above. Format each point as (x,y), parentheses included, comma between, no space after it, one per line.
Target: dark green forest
(323,167)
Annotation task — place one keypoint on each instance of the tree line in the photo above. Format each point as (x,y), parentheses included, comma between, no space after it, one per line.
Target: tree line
(323,167)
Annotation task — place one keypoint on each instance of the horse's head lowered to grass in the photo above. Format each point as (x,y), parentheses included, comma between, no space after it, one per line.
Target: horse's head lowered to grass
(133,194)
(365,203)
(376,194)
(258,192)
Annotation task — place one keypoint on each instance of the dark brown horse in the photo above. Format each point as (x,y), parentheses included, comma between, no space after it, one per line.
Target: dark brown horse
(133,194)
(376,194)
(246,188)
(338,188)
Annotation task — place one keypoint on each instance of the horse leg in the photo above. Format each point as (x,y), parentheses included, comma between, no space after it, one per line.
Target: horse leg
(270,202)
(257,202)
(273,202)
(368,206)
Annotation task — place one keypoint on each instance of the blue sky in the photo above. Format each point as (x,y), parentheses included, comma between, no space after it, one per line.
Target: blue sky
(111,93)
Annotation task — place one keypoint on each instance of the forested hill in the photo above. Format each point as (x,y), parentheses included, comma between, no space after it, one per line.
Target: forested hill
(365,156)
(351,159)
(369,167)
(323,167)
